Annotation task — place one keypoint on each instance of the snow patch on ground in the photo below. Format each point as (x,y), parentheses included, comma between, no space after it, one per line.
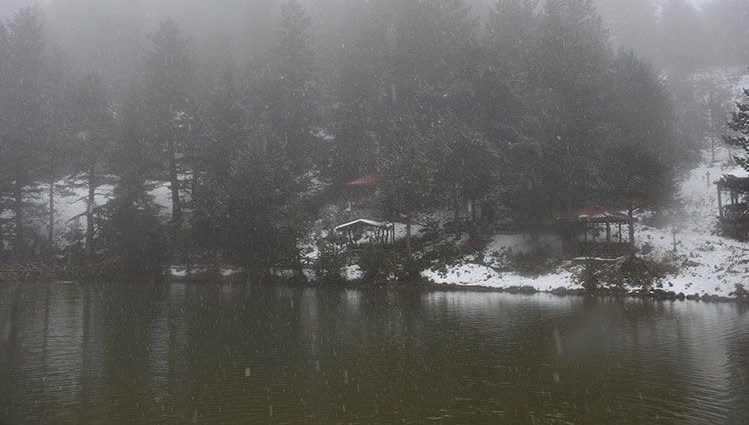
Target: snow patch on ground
(70,205)
(482,275)
(713,265)
(353,272)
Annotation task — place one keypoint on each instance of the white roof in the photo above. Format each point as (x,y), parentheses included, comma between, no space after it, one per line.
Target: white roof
(362,221)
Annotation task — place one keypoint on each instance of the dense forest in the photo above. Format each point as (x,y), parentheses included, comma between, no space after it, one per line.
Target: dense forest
(256,116)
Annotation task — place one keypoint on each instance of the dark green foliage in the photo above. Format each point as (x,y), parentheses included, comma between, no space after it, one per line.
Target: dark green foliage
(533,264)
(169,79)
(378,264)
(634,272)
(587,277)
(523,121)
(330,261)
(740,293)
(130,228)
(291,98)
(739,126)
(22,112)
(91,128)
(736,229)
(261,224)
(134,234)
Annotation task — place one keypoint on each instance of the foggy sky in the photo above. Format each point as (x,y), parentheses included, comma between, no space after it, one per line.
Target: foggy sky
(8,7)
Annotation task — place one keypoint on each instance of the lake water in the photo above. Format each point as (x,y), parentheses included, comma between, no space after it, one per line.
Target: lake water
(209,353)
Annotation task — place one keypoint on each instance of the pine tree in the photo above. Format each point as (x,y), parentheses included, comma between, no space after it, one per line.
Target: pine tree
(130,228)
(572,64)
(226,137)
(640,152)
(511,38)
(357,115)
(5,177)
(22,110)
(169,79)
(92,133)
(292,88)
(54,158)
(739,126)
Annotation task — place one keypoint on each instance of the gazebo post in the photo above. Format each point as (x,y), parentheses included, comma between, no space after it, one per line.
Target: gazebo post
(608,232)
(620,232)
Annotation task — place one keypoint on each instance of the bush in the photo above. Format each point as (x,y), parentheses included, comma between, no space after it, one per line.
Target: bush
(329,263)
(135,237)
(735,229)
(634,272)
(377,264)
(532,263)
(588,276)
(741,293)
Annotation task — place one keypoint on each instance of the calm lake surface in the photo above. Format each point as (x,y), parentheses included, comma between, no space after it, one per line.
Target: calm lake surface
(209,353)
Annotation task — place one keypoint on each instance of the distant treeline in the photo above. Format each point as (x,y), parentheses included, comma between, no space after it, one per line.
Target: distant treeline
(531,115)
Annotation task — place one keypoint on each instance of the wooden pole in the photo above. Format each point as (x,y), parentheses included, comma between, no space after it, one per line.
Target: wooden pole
(720,203)
(620,232)
(631,226)
(408,235)
(608,232)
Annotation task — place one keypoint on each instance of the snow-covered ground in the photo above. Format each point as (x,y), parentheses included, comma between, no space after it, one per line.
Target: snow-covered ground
(70,206)
(715,264)
(712,265)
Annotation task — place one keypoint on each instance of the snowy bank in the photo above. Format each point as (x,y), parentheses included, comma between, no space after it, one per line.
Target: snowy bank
(711,264)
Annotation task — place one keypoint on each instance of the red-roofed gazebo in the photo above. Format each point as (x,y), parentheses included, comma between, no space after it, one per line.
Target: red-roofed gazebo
(370,180)
(583,232)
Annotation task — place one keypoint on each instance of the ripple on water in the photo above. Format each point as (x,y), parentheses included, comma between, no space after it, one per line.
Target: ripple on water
(180,353)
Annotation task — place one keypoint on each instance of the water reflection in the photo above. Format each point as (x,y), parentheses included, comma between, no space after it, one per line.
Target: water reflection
(142,353)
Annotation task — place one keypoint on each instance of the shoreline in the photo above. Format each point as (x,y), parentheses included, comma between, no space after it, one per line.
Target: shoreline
(656,294)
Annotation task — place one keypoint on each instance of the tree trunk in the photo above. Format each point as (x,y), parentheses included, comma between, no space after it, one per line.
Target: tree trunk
(51,223)
(174,182)
(408,235)
(90,204)
(2,240)
(456,207)
(20,243)
(631,228)
(456,210)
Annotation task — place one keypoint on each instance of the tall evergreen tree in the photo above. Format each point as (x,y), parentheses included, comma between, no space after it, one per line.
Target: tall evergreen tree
(641,151)
(739,126)
(292,88)
(226,137)
(23,111)
(5,176)
(54,159)
(92,130)
(130,227)
(572,63)
(169,79)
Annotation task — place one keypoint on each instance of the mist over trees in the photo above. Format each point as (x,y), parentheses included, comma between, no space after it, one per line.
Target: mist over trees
(256,113)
